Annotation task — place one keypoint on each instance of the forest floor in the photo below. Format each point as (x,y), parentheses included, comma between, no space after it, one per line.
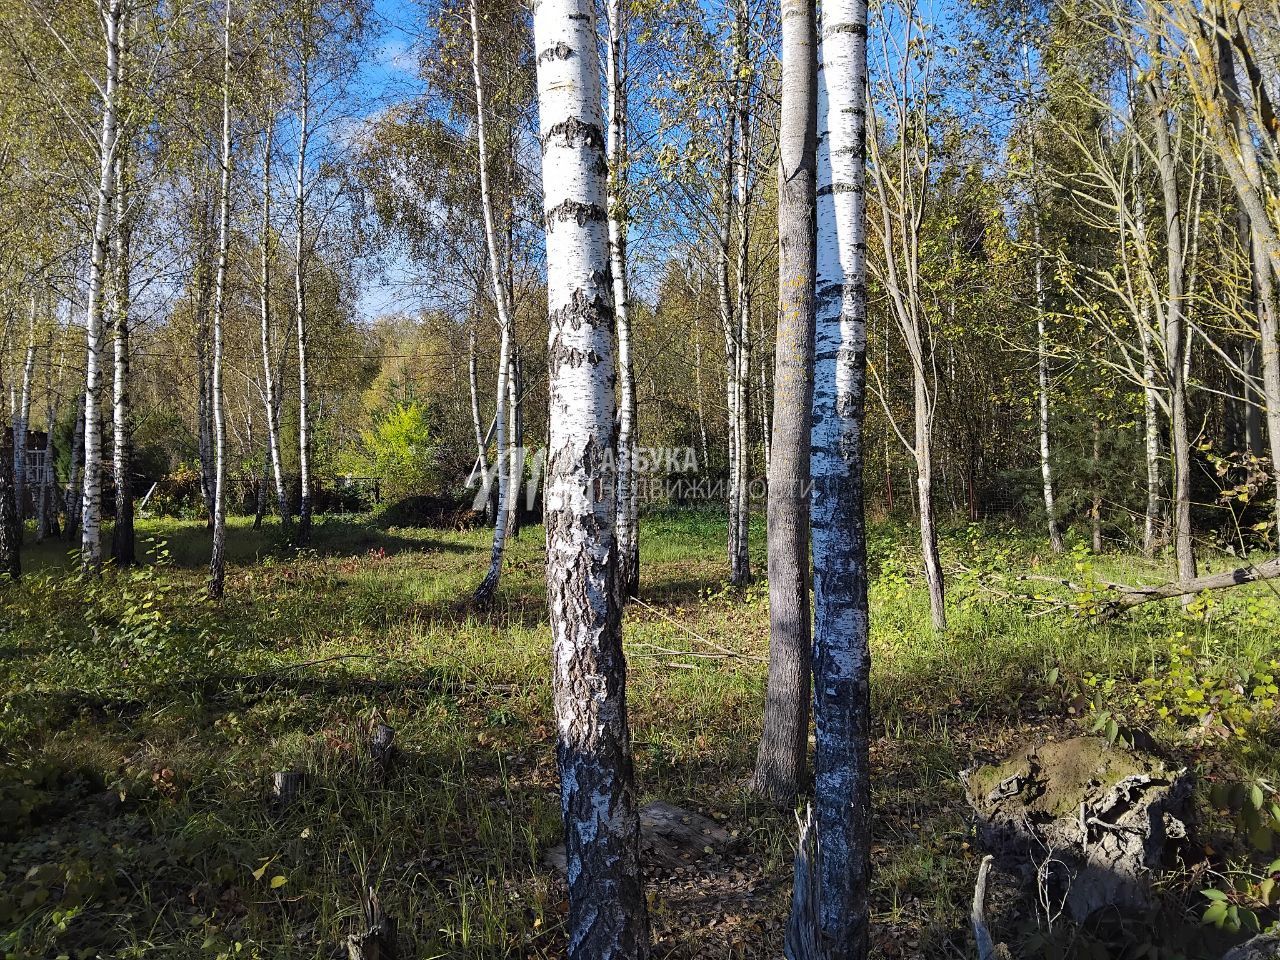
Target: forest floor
(140,724)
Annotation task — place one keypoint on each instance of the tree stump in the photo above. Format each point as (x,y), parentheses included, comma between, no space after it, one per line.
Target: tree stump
(1265,946)
(378,940)
(381,749)
(286,787)
(1087,822)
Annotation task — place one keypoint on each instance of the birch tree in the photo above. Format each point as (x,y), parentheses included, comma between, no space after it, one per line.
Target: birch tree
(123,550)
(270,379)
(616,80)
(217,561)
(1173,317)
(1220,46)
(22,418)
(842,655)
(305,52)
(607,917)
(784,742)
(112,14)
(488,586)
(900,172)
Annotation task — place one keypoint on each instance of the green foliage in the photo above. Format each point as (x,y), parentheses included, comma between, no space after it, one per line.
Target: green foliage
(400,450)
(1246,896)
(138,725)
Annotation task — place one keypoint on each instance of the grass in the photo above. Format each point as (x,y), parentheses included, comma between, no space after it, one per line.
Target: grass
(139,725)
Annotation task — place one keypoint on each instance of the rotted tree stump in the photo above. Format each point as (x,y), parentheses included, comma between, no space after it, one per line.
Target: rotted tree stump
(381,749)
(1091,821)
(377,941)
(285,788)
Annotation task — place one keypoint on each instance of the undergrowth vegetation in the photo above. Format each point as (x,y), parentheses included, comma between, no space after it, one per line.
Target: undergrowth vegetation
(140,726)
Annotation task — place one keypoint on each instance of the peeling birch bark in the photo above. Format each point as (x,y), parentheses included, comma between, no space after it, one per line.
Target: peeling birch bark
(607,917)
(217,561)
(113,14)
(842,654)
(485,593)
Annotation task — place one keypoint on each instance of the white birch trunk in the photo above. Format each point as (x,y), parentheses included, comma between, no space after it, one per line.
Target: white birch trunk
(22,419)
(627,483)
(300,297)
(91,510)
(607,918)
(1042,376)
(485,593)
(271,388)
(122,534)
(217,560)
(737,576)
(742,369)
(1174,330)
(842,656)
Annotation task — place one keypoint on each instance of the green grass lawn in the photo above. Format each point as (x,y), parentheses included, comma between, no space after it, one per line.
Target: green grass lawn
(139,726)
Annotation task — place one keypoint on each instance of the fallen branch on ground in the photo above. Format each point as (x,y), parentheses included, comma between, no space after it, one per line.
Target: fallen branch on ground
(1128,597)
(721,649)
(1125,596)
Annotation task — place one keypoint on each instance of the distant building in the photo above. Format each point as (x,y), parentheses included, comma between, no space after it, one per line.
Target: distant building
(37,450)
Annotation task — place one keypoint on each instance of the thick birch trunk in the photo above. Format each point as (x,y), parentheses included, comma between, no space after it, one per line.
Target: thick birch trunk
(123,547)
(628,501)
(489,585)
(217,560)
(607,917)
(91,510)
(784,741)
(842,655)
(300,302)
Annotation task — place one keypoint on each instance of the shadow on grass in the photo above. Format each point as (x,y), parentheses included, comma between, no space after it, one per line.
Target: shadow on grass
(189,542)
